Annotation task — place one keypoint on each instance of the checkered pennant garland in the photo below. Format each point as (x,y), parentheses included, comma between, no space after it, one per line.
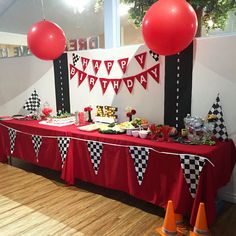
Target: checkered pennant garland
(75,58)
(33,102)
(95,150)
(37,141)
(154,55)
(140,156)
(219,131)
(63,145)
(12,136)
(192,166)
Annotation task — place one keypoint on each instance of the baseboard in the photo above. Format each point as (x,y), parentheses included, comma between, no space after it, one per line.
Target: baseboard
(227,196)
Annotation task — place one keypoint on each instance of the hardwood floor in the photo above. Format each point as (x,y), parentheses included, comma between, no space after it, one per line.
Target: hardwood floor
(34,202)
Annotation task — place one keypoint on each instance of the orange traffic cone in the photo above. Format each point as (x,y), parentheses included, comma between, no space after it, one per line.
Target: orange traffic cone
(200,227)
(169,226)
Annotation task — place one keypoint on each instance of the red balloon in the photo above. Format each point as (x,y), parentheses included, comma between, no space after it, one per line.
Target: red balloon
(169,26)
(46,40)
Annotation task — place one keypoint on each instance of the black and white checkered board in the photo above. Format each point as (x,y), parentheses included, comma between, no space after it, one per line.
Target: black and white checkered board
(154,55)
(95,150)
(37,141)
(192,166)
(33,102)
(75,58)
(219,131)
(12,136)
(63,145)
(140,156)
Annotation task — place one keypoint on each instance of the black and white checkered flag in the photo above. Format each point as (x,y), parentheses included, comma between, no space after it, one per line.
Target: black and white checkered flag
(37,141)
(33,102)
(95,150)
(75,58)
(12,136)
(140,156)
(192,166)
(63,145)
(219,131)
(154,55)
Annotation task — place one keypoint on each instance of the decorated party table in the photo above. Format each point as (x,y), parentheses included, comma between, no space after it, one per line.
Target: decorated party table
(149,170)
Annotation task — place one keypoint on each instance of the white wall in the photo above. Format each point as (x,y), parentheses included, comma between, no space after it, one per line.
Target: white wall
(214,71)
(13,39)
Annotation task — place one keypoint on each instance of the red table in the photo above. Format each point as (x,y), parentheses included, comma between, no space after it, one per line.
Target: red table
(163,179)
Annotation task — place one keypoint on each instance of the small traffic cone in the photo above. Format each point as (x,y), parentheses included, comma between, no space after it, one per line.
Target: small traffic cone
(200,227)
(169,226)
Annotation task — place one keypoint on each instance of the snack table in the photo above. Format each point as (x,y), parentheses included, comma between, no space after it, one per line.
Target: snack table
(163,178)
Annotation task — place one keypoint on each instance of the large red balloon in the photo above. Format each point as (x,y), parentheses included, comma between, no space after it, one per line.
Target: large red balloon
(169,26)
(46,40)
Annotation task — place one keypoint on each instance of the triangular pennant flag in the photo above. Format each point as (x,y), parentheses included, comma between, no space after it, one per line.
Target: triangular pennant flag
(109,65)
(84,62)
(81,77)
(73,71)
(123,64)
(141,59)
(154,72)
(37,141)
(192,166)
(140,156)
(129,82)
(142,79)
(95,150)
(33,102)
(104,84)
(154,55)
(116,84)
(96,65)
(92,81)
(220,130)
(12,136)
(63,145)
(75,58)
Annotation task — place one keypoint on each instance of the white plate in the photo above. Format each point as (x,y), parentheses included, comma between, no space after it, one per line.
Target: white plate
(91,127)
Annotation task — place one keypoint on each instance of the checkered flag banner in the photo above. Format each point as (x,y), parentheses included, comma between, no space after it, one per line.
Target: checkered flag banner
(219,131)
(37,141)
(154,55)
(12,136)
(95,150)
(192,166)
(63,145)
(75,58)
(33,102)
(140,156)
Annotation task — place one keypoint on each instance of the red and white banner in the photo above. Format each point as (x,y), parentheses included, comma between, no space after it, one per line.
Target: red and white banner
(104,84)
(129,82)
(123,64)
(109,65)
(96,65)
(141,59)
(155,72)
(85,62)
(81,76)
(116,84)
(92,81)
(142,79)
(73,71)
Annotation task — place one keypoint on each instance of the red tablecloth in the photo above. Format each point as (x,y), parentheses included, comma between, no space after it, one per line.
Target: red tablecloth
(163,179)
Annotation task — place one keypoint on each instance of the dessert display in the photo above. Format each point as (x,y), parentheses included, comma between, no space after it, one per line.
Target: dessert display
(63,118)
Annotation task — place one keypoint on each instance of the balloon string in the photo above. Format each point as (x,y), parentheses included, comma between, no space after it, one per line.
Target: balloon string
(43,13)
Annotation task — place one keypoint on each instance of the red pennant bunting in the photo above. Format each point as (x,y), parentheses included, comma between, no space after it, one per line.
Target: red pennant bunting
(116,84)
(81,76)
(85,62)
(104,84)
(141,59)
(129,82)
(154,72)
(92,81)
(73,71)
(109,65)
(123,64)
(96,65)
(142,78)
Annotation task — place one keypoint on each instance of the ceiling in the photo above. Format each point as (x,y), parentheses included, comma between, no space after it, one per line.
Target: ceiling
(17,16)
